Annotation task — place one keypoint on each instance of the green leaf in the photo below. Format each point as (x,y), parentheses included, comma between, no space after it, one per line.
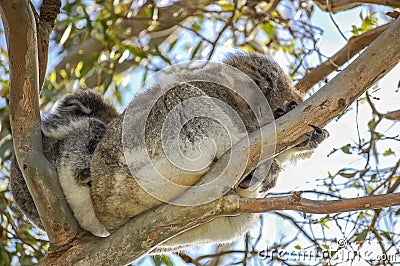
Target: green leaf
(386,235)
(156,260)
(196,50)
(172,45)
(162,260)
(324,220)
(346,149)
(361,236)
(196,27)
(371,123)
(63,73)
(166,260)
(78,69)
(363,172)
(388,152)
(354,30)
(269,29)
(347,175)
(226,6)
(52,77)
(5,258)
(373,177)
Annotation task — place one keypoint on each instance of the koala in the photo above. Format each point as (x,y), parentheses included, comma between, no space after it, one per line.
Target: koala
(71,132)
(117,197)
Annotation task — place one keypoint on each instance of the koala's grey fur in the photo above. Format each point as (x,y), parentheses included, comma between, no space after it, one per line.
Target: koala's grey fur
(71,133)
(116,195)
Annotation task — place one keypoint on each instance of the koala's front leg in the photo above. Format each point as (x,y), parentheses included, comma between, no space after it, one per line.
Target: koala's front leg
(79,149)
(73,170)
(316,137)
(313,140)
(304,149)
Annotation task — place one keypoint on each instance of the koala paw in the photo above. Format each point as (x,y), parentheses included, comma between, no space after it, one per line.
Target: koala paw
(316,137)
(289,107)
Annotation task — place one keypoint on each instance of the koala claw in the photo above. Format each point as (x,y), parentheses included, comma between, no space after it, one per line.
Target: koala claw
(289,107)
(317,129)
(316,137)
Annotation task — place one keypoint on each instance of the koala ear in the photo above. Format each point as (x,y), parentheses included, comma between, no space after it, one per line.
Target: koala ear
(74,105)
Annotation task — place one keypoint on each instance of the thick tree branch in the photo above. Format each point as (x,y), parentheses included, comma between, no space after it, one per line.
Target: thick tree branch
(339,5)
(142,233)
(354,46)
(19,23)
(296,202)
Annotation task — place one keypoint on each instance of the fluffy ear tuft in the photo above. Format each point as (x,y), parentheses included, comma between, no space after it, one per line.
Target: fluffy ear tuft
(73,105)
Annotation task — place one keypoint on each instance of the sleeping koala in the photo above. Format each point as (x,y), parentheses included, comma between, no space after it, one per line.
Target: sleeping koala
(117,196)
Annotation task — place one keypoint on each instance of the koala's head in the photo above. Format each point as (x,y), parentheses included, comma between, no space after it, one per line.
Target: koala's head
(268,75)
(86,103)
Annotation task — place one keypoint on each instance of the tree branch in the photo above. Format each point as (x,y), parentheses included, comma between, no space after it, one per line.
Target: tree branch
(296,202)
(20,27)
(142,233)
(45,24)
(339,5)
(354,46)
(394,115)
